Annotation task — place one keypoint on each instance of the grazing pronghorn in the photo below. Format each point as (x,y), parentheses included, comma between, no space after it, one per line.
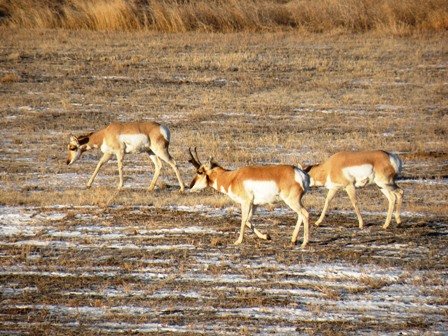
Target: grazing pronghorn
(121,138)
(251,186)
(356,169)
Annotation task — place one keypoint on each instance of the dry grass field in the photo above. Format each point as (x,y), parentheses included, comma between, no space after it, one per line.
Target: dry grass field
(396,17)
(97,261)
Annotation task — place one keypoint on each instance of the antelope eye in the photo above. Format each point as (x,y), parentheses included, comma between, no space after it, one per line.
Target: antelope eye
(72,148)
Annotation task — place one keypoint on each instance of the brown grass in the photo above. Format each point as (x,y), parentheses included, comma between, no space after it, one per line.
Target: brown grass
(9,78)
(385,16)
(242,98)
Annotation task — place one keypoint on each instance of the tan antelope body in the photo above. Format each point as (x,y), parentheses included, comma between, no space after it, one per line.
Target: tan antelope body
(122,138)
(349,170)
(256,185)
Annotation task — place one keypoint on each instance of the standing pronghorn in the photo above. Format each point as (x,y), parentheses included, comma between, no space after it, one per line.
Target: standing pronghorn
(251,186)
(121,138)
(357,169)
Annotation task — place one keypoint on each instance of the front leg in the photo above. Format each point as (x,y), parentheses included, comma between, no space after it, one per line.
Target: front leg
(103,160)
(264,236)
(246,209)
(330,196)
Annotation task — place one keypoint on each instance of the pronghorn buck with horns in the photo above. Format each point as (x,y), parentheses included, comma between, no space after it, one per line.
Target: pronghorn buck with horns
(122,138)
(256,185)
(349,170)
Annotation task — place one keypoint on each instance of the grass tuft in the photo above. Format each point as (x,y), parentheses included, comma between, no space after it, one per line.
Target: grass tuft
(9,78)
(354,16)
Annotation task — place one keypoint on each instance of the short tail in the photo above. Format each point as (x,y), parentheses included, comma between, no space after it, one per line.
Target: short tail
(302,178)
(165,131)
(396,162)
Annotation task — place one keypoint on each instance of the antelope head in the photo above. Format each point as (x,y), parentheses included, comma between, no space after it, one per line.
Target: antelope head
(203,170)
(76,147)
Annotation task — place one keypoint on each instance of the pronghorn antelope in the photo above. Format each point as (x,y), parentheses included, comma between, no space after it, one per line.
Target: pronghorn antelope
(121,138)
(356,169)
(252,186)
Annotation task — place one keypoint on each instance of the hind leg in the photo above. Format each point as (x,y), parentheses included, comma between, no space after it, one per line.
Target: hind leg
(120,157)
(295,204)
(157,167)
(165,156)
(351,192)
(399,196)
(391,198)
(173,165)
(302,217)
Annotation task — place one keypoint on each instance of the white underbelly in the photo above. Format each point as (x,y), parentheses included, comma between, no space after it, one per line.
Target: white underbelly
(360,175)
(264,192)
(135,143)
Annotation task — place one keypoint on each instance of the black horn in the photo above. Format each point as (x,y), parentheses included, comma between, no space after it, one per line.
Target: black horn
(194,160)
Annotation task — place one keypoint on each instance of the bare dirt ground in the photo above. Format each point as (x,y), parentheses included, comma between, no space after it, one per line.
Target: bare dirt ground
(98,261)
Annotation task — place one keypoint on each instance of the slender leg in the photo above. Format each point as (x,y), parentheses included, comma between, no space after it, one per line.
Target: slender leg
(294,202)
(157,167)
(103,160)
(330,196)
(399,196)
(295,233)
(306,227)
(165,156)
(246,209)
(120,156)
(264,236)
(391,198)
(250,226)
(173,165)
(302,216)
(351,192)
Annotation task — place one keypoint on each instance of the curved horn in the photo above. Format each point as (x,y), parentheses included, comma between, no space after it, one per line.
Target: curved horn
(197,156)
(194,160)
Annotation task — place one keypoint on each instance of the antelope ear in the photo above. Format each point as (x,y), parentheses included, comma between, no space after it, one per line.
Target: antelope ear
(307,168)
(74,139)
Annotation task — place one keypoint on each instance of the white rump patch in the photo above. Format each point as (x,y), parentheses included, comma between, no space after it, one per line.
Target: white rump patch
(396,162)
(135,143)
(264,191)
(361,175)
(302,178)
(165,132)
